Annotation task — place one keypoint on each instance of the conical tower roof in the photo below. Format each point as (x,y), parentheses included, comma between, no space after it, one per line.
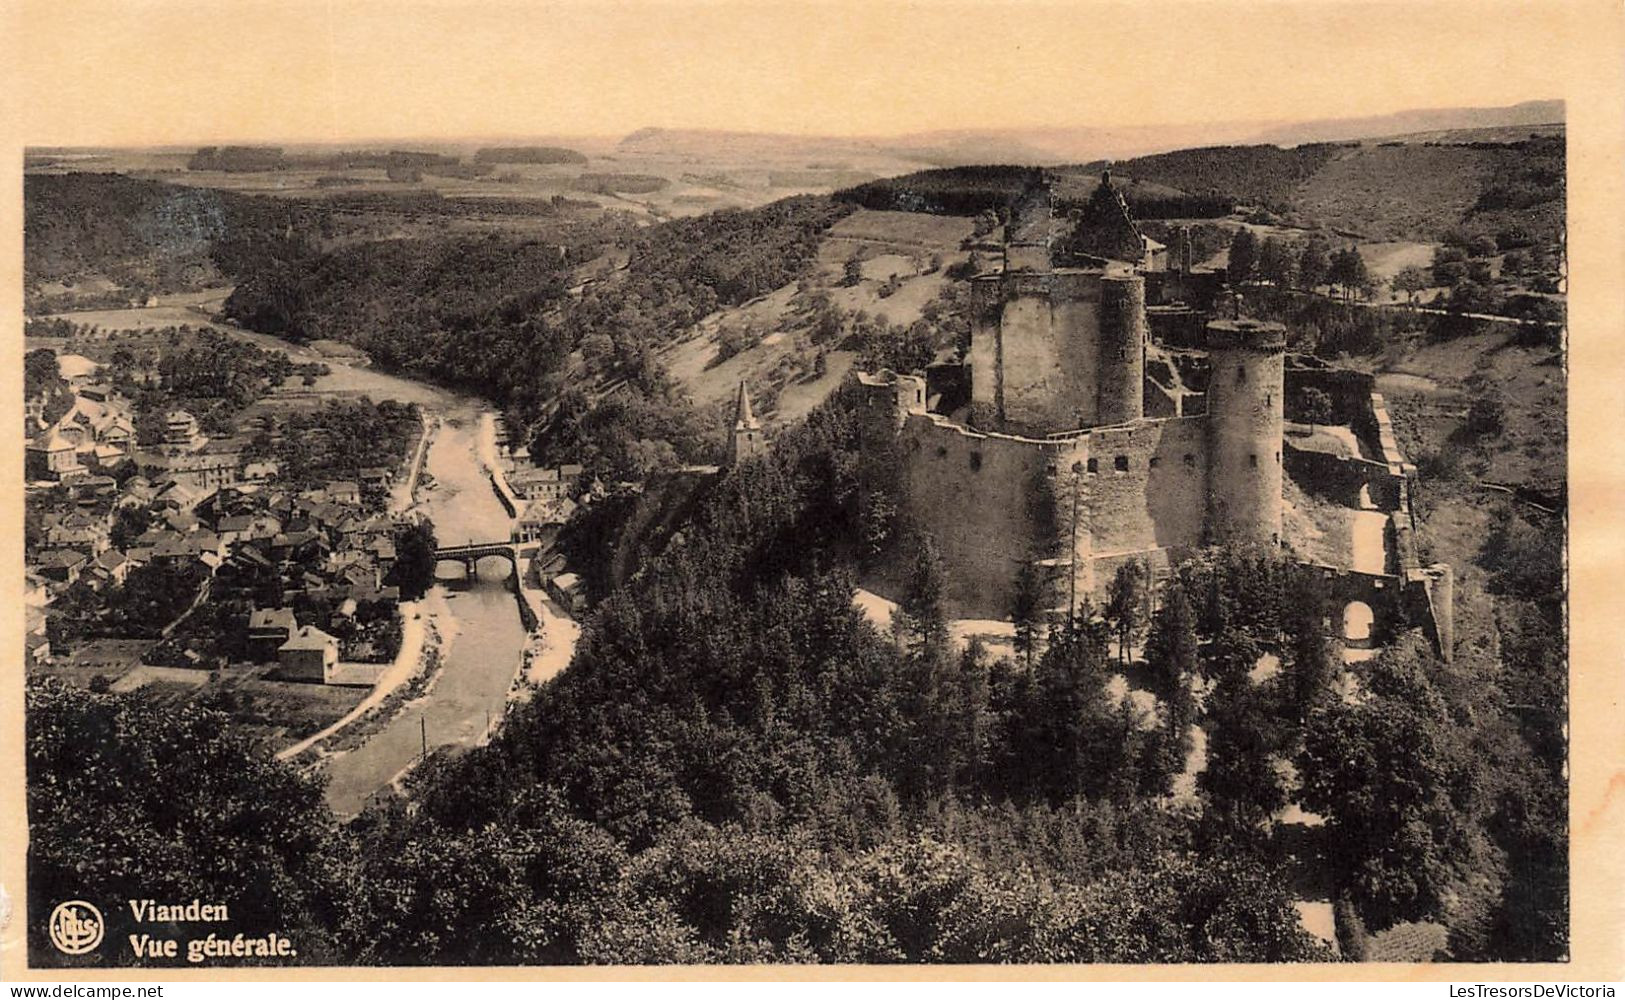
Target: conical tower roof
(744,418)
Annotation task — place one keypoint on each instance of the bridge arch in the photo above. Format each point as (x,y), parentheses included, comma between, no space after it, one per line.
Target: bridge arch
(470,555)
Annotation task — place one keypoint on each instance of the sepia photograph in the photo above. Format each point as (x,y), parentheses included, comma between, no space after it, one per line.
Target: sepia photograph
(701,484)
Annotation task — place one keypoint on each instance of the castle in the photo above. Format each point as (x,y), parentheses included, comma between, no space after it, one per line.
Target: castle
(1066,439)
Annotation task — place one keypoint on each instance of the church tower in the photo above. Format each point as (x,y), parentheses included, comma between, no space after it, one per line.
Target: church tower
(745,438)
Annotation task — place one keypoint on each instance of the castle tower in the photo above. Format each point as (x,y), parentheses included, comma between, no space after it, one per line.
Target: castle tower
(1120,385)
(1057,350)
(745,439)
(1244,423)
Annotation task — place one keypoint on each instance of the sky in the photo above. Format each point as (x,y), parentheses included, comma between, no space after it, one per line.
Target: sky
(156,71)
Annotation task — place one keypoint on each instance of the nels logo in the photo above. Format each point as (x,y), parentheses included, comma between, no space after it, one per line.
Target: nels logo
(76,927)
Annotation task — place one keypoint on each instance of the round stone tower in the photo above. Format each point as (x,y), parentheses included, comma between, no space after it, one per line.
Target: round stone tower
(1120,392)
(1244,423)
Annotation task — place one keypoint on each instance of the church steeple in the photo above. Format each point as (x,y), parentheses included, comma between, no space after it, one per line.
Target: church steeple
(745,437)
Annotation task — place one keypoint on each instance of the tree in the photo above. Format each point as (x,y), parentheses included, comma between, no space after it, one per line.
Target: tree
(1486,416)
(1410,282)
(128,524)
(1383,771)
(852,271)
(1277,263)
(1171,655)
(1314,263)
(1241,781)
(1027,613)
(1313,659)
(249,832)
(1243,255)
(1316,406)
(922,605)
(1125,604)
(1348,271)
(413,571)
(1449,266)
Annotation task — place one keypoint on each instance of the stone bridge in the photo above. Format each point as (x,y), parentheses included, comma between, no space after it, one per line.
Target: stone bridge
(471,553)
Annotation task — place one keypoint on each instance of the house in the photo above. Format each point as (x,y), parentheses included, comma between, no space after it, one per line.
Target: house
(375,478)
(176,496)
(36,595)
(138,492)
(92,487)
(382,548)
(181,433)
(542,520)
(38,648)
(205,470)
(309,655)
(269,629)
(566,590)
(62,565)
(262,471)
(550,484)
(174,552)
(345,491)
(235,527)
(51,456)
(115,564)
(77,370)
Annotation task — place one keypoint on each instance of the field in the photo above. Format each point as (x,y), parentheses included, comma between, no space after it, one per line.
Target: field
(686,181)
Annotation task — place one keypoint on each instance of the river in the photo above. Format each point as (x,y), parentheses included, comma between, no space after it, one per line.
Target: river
(481,632)
(480,628)
(482,635)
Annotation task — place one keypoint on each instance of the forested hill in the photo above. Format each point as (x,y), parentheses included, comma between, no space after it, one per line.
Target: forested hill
(495,314)
(1378,191)
(738,767)
(142,235)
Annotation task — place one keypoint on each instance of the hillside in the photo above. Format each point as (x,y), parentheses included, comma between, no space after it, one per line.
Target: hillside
(1374,192)
(1051,145)
(1381,191)
(1422,120)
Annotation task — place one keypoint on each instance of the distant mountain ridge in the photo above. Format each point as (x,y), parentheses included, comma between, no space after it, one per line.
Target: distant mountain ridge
(1057,145)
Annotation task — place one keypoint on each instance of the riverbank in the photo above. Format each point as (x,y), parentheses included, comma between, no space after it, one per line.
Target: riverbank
(475,637)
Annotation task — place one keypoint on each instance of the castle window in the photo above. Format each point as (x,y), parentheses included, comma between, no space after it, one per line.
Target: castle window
(1120,463)
(1241,375)
(1078,466)
(975,460)
(942,451)
(1155,462)
(1190,460)
(1252,460)
(1094,465)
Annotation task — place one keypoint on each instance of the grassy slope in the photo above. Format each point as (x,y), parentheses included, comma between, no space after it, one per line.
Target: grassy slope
(886,243)
(1428,390)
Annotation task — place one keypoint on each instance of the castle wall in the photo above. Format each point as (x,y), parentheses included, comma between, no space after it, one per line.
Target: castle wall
(981,496)
(1149,486)
(1340,479)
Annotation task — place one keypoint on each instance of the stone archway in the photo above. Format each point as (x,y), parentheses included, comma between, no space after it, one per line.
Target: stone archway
(1358,625)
